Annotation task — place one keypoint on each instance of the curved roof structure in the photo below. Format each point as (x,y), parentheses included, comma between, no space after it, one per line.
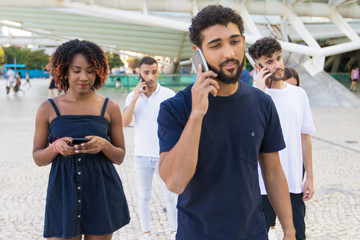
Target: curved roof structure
(159,27)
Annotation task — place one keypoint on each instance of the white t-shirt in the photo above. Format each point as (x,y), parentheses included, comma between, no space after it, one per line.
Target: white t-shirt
(292,105)
(146,127)
(11,75)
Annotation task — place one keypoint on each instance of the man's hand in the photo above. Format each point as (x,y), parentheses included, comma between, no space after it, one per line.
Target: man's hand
(262,77)
(203,86)
(308,189)
(139,89)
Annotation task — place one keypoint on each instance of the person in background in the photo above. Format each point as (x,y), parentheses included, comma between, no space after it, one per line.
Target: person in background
(10,80)
(211,138)
(144,103)
(53,89)
(292,105)
(17,86)
(291,76)
(354,78)
(245,76)
(27,78)
(85,196)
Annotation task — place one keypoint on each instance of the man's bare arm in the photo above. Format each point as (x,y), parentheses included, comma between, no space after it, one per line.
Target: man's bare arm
(177,166)
(278,191)
(308,187)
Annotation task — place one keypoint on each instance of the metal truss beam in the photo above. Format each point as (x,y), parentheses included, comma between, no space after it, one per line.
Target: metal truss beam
(343,25)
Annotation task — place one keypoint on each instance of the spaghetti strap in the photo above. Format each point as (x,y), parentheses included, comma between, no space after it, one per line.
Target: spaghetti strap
(54,106)
(104,107)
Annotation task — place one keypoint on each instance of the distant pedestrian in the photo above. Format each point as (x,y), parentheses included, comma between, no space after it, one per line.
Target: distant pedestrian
(53,89)
(17,86)
(354,79)
(10,80)
(27,78)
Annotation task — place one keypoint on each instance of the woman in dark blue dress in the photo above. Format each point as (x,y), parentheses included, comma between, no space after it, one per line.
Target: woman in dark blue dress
(85,194)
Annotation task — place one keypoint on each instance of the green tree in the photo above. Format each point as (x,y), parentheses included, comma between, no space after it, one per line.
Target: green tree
(15,52)
(2,55)
(37,59)
(133,63)
(33,59)
(114,60)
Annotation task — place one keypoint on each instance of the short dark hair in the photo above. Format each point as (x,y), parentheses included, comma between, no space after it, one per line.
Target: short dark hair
(60,61)
(292,73)
(148,61)
(210,16)
(266,46)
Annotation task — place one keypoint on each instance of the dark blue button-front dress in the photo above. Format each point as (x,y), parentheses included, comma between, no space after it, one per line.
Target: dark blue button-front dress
(85,194)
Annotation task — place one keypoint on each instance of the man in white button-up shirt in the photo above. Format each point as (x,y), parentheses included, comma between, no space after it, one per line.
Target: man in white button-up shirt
(144,103)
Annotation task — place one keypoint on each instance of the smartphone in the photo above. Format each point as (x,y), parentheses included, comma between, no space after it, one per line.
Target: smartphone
(76,141)
(198,59)
(267,80)
(142,80)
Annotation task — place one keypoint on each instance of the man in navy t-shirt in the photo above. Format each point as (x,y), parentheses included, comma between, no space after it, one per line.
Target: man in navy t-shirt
(211,135)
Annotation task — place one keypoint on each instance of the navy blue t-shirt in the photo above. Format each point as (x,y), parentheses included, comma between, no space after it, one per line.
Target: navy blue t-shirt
(222,200)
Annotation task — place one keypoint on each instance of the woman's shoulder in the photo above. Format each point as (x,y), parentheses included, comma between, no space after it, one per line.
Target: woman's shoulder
(46,109)
(111,104)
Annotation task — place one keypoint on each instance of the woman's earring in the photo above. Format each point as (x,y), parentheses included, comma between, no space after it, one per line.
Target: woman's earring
(65,77)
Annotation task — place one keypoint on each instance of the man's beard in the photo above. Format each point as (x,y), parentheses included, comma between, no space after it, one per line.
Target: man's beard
(278,78)
(229,79)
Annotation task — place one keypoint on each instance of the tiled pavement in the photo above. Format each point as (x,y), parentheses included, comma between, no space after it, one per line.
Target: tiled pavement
(333,213)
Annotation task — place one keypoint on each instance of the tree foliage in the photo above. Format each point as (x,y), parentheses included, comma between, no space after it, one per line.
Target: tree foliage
(114,60)
(33,59)
(133,63)
(2,56)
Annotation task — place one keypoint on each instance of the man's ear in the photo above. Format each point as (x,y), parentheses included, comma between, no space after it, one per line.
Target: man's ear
(195,47)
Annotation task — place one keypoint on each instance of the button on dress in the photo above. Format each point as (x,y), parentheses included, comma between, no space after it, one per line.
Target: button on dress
(85,193)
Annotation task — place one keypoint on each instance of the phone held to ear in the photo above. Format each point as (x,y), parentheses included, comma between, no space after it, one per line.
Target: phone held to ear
(77,141)
(142,80)
(198,59)
(268,81)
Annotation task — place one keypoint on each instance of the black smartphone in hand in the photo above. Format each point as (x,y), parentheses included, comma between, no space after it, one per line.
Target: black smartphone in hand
(267,82)
(142,80)
(77,141)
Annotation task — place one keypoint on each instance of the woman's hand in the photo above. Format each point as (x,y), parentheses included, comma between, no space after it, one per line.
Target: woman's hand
(94,145)
(62,146)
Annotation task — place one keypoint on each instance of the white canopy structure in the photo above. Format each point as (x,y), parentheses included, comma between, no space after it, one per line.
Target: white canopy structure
(160,27)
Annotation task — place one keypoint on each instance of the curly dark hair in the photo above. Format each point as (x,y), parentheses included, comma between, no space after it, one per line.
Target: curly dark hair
(60,61)
(266,46)
(210,16)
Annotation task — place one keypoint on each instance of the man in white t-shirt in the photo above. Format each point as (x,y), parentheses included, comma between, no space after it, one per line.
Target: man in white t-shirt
(10,84)
(296,121)
(144,103)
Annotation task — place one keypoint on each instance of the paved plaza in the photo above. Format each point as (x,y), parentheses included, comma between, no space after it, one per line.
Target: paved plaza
(333,213)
